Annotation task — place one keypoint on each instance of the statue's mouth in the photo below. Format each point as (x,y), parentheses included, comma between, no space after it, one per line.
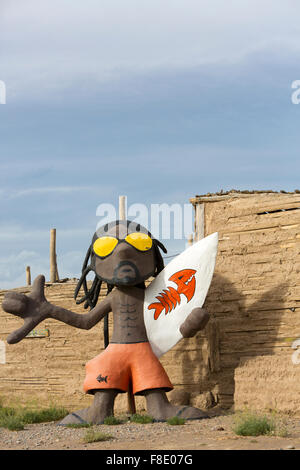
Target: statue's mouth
(126,273)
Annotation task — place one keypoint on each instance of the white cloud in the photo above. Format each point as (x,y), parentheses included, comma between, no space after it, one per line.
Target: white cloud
(17,233)
(13,267)
(51,45)
(52,189)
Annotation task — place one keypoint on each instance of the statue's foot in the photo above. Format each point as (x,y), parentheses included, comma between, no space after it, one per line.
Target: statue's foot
(78,417)
(159,407)
(186,412)
(101,408)
(86,416)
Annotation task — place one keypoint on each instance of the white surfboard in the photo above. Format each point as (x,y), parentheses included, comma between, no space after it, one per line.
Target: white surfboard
(176,291)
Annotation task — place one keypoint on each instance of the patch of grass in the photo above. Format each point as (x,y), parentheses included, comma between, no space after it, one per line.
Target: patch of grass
(112,420)
(252,424)
(176,421)
(141,419)
(12,422)
(95,436)
(78,425)
(43,416)
(15,418)
(5,412)
(9,419)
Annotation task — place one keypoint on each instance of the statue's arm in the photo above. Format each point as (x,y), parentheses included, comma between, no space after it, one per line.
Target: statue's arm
(84,321)
(34,308)
(196,320)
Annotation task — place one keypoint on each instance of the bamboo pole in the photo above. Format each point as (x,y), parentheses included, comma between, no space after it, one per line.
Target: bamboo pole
(56,270)
(122,207)
(199,222)
(28,276)
(53,264)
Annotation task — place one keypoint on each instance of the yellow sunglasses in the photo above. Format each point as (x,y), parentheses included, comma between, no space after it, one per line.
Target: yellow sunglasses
(104,246)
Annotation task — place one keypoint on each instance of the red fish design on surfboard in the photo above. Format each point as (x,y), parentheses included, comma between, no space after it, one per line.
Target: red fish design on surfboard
(169,298)
(179,288)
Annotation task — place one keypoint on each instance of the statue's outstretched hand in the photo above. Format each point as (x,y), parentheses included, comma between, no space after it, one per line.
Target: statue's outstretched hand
(196,320)
(33,308)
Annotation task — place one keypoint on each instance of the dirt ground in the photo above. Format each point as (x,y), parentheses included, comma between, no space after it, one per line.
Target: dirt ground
(207,434)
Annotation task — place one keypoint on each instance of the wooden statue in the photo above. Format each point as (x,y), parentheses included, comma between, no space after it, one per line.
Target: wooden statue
(147,322)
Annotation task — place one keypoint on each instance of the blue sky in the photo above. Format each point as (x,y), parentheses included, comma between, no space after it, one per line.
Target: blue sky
(156,100)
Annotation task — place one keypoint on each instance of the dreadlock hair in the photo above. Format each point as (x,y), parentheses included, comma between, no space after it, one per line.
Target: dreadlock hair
(91,295)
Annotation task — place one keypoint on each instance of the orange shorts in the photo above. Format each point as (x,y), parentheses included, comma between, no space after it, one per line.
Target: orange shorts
(119,364)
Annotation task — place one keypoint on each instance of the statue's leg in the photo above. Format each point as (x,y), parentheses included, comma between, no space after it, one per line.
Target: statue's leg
(101,408)
(159,407)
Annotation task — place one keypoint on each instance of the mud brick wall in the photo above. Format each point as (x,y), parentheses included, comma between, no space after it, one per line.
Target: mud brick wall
(255,299)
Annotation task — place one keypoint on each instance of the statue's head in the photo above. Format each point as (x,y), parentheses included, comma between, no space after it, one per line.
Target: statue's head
(122,253)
